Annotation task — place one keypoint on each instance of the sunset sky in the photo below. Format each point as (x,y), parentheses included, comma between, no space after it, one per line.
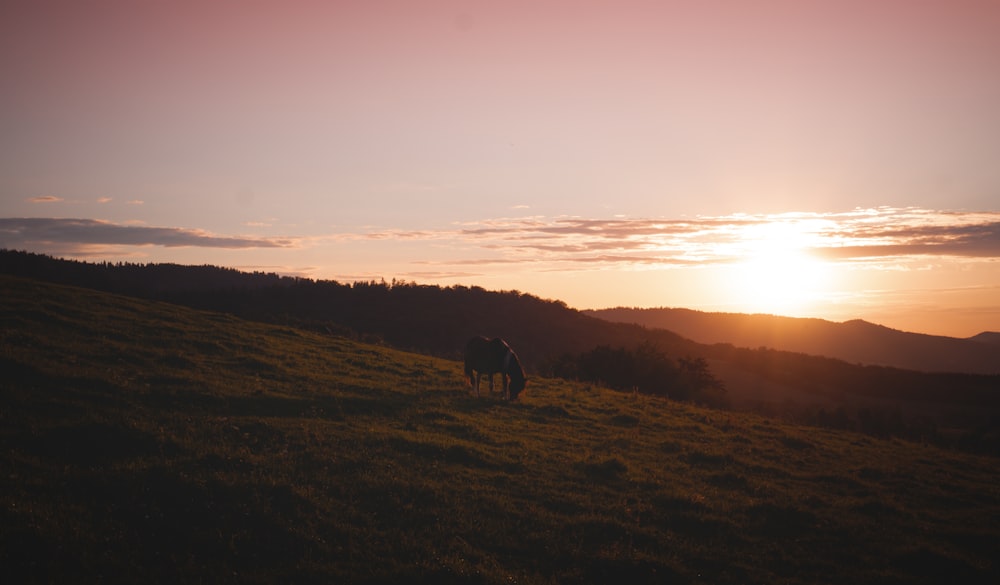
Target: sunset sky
(836,159)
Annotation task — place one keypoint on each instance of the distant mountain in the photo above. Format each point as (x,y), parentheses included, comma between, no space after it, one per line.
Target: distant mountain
(991,337)
(853,341)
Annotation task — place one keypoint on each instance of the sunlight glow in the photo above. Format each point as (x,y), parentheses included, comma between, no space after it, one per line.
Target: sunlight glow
(775,272)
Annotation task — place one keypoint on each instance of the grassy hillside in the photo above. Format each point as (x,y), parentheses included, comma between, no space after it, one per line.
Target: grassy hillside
(948,409)
(147,442)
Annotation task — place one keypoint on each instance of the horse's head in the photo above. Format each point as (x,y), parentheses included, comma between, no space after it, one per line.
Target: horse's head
(517,386)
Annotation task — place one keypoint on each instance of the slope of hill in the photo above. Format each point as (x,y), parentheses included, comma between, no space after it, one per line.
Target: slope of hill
(429,319)
(853,341)
(146,442)
(438,321)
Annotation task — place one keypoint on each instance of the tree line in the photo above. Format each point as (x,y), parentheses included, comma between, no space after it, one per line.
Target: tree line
(644,369)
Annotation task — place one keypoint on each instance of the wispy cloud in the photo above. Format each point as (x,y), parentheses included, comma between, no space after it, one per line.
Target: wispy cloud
(440,274)
(45,199)
(892,233)
(20,232)
(858,236)
(882,238)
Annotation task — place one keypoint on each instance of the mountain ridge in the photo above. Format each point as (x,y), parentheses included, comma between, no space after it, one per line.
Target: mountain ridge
(853,341)
(992,337)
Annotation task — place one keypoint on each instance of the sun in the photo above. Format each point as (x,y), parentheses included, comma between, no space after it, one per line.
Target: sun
(776,273)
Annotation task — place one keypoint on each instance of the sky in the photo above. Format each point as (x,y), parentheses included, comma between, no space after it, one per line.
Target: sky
(833,159)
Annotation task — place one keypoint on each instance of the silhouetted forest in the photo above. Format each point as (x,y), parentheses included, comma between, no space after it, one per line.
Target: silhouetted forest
(429,319)
(553,339)
(646,370)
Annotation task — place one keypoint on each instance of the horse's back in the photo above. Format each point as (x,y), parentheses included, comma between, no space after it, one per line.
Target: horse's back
(475,348)
(475,344)
(485,355)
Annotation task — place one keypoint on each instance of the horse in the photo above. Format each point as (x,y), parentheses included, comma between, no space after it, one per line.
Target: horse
(494,356)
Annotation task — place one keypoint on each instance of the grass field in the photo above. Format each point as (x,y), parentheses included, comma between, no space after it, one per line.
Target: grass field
(144,442)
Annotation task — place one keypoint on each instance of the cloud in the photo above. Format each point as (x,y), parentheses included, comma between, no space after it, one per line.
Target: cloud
(860,236)
(16,232)
(440,274)
(104,200)
(883,238)
(956,244)
(912,233)
(45,199)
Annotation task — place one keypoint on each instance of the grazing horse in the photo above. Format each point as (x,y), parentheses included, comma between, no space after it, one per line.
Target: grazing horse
(494,356)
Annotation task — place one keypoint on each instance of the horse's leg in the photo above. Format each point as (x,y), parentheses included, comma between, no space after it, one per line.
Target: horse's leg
(506,387)
(492,374)
(478,376)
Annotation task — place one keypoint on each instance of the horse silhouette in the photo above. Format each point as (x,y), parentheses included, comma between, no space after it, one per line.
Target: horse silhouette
(494,356)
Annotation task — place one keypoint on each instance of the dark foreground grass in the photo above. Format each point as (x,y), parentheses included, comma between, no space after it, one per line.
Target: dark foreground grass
(142,442)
